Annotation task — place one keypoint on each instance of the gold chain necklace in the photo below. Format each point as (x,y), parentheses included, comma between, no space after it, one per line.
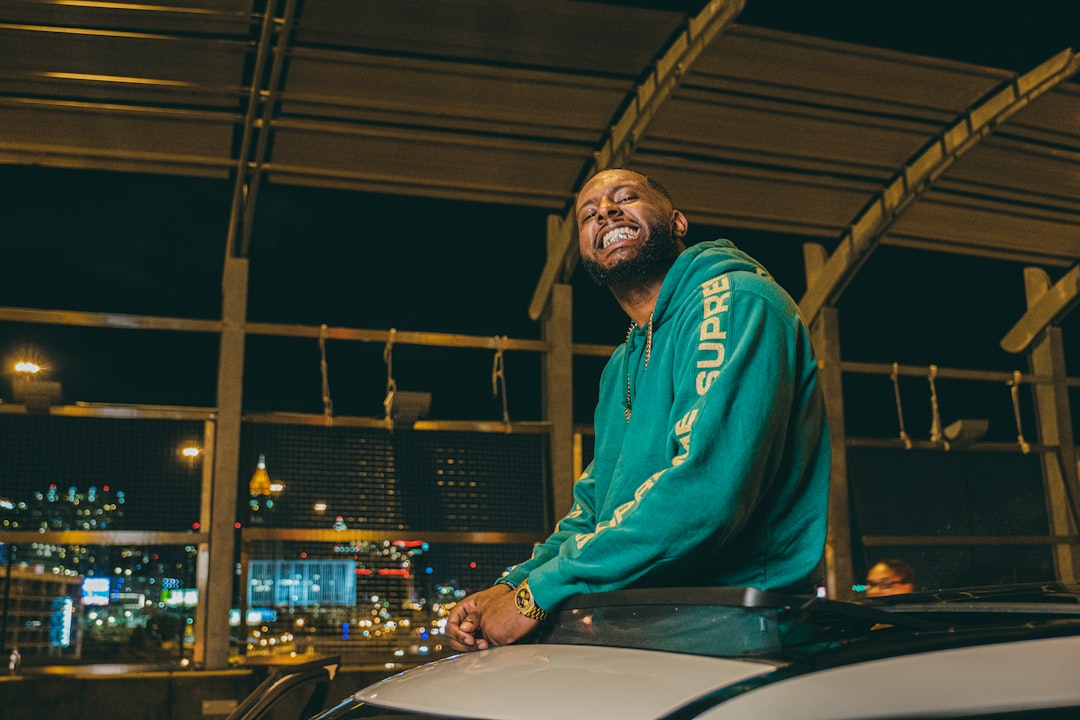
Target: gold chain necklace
(648,352)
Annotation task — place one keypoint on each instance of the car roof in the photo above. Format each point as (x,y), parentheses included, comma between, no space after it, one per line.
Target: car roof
(969,681)
(534,681)
(732,653)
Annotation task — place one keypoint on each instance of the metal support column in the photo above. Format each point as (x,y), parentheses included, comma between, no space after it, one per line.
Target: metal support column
(226,465)
(559,390)
(825,332)
(559,398)
(1046,356)
(202,561)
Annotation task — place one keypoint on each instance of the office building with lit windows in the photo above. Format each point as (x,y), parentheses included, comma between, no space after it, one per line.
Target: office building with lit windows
(42,614)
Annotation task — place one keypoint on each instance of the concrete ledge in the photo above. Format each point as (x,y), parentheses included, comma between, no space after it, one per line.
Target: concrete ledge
(133,696)
(164,695)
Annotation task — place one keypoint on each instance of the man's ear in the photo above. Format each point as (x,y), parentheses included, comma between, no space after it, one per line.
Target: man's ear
(679,224)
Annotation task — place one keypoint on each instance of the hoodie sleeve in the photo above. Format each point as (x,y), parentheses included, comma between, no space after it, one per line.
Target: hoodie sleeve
(734,376)
(580,518)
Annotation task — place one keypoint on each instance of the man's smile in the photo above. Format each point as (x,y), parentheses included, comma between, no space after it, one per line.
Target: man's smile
(617,235)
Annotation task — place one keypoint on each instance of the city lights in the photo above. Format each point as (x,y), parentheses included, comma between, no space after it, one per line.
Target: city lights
(366,598)
(28,387)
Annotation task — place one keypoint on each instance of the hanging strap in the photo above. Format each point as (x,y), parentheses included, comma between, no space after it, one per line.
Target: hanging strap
(391,385)
(935,422)
(899,410)
(328,404)
(1014,391)
(498,378)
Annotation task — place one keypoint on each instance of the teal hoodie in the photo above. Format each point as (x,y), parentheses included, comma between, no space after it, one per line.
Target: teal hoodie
(721,474)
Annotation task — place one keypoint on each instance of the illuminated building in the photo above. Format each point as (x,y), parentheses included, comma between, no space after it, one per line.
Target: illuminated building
(41,612)
(263,493)
(360,600)
(62,595)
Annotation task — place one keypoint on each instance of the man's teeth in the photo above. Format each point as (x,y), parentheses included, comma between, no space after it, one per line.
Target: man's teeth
(616,235)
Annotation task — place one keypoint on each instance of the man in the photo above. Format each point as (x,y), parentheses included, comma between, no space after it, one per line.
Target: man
(712,454)
(890,577)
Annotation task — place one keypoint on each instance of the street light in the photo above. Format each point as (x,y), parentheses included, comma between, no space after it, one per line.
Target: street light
(28,388)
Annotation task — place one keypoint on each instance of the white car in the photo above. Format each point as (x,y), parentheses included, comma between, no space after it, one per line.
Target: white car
(1000,653)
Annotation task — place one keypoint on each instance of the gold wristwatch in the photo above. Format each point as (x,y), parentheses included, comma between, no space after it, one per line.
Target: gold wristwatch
(523,599)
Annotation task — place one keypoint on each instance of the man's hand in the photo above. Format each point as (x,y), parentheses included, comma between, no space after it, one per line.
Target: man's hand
(463,625)
(502,624)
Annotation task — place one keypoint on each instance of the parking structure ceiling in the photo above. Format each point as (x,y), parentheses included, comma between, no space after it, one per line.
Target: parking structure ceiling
(761,115)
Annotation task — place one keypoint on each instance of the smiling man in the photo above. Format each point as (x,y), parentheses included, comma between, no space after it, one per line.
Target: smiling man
(711,460)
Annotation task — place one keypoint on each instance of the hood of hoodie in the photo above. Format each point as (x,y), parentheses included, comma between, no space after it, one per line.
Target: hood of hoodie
(724,257)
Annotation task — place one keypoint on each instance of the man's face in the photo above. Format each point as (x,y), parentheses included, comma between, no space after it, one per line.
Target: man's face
(883,580)
(626,229)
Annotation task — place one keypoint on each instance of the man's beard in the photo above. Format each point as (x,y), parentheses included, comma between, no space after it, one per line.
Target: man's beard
(654,255)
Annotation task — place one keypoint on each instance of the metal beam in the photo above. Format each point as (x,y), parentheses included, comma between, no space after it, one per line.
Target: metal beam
(108,320)
(994,376)
(401,337)
(525,427)
(356,537)
(238,211)
(953,540)
(1049,310)
(923,170)
(269,99)
(626,132)
(102,537)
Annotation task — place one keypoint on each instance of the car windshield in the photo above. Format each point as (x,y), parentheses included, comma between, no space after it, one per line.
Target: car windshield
(722,622)
(751,624)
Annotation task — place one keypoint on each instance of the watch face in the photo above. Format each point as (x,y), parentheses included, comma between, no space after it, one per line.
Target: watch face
(523,599)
